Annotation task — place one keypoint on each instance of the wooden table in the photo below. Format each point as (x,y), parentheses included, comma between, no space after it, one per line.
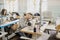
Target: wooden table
(31,31)
(27,30)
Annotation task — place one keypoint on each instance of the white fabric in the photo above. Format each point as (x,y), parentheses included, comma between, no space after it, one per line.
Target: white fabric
(22,37)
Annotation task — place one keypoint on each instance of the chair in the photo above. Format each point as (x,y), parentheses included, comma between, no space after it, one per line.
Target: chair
(21,35)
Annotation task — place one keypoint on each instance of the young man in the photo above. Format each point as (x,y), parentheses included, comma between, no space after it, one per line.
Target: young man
(23,21)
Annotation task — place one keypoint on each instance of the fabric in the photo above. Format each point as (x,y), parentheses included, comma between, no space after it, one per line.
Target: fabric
(23,22)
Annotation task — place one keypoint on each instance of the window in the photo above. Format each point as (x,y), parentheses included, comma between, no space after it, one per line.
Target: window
(33,6)
(11,5)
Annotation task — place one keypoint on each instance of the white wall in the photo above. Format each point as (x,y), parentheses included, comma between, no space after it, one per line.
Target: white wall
(54,7)
(19,7)
(30,6)
(33,6)
(1,4)
(1,1)
(44,5)
(11,6)
(22,6)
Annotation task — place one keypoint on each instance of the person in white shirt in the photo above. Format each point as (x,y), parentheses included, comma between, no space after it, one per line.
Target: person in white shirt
(25,19)
(24,22)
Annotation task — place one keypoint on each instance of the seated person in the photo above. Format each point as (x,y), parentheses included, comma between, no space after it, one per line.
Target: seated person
(4,15)
(23,23)
(36,18)
(23,20)
(37,15)
(17,16)
(3,12)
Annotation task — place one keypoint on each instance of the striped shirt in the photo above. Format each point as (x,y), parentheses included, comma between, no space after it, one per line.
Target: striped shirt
(23,22)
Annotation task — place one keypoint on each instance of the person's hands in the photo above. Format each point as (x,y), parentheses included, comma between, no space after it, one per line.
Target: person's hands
(7,21)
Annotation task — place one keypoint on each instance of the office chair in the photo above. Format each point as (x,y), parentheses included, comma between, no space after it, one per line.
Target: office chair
(21,35)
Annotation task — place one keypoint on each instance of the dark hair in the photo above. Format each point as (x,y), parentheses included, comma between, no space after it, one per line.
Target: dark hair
(36,14)
(27,13)
(24,14)
(16,13)
(49,22)
(2,12)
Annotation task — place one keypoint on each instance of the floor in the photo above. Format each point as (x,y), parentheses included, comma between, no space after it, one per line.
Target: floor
(17,38)
(51,38)
(14,38)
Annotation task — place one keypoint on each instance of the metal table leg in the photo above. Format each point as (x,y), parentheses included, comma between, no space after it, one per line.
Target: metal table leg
(3,38)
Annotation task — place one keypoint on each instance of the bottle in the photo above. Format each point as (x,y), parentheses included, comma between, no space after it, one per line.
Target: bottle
(34,29)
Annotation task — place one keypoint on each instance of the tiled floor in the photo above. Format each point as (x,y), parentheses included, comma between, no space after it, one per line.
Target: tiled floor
(14,38)
(50,38)
(53,38)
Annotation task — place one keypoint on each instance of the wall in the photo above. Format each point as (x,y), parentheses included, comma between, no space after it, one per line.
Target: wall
(54,7)
(30,6)
(1,4)
(22,6)
(11,6)
(33,6)
(1,1)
